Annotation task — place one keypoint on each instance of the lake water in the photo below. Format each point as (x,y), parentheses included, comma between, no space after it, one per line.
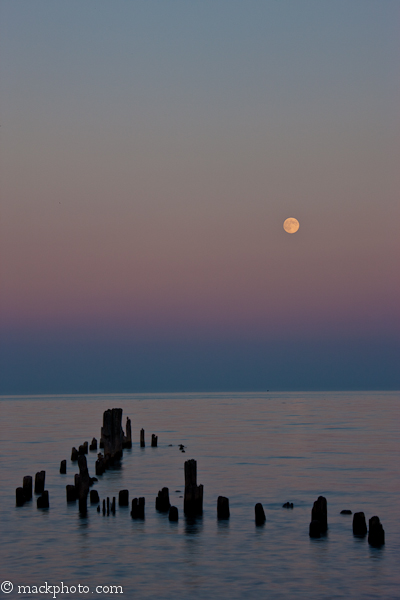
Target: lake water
(265,447)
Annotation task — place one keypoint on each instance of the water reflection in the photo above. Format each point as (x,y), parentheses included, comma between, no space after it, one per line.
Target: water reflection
(193,525)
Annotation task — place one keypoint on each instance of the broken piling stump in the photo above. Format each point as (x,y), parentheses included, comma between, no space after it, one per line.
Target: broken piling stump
(128,436)
(39,482)
(82,484)
(108,506)
(19,496)
(93,444)
(112,434)
(319,513)
(154,440)
(43,500)
(315,529)
(63,467)
(359,524)
(173,514)
(74,454)
(71,493)
(94,497)
(142,442)
(113,505)
(27,487)
(223,508)
(137,511)
(259,514)
(193,497)
(86,447)
(123,498)
(376,533)
(162,501)
(100,465)
(104,507)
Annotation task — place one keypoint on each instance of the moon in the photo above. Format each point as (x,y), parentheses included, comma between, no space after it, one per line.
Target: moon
(291,225)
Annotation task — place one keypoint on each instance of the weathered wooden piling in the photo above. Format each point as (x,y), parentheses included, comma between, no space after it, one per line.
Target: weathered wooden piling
(19,496)
(142,442)
(287,505)
(63,467)
(94,497)
(123,498)
(98,508)
(223,507)
(315,529)
(74,454)
(137,511)
(259,514)
(113,505)
(173,514)
(81,450)
(83,484)
(100,465)
(86,447)
(93,444)
(108,506)
(346,512)
(112,434)
(376,533)
(193,497)
(43,500)
(39,482)
(128,436)
(319,513)
(104,507)
(27,487)
(71,493)
(154,440)
(359,524)
(162,501)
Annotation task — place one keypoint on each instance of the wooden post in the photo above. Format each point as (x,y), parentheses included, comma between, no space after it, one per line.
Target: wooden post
(100,466)
(104,507)
(63,467)
(74,454)
(19,496)
(93,444)
(359,524)
(128,437)
(94,497)
(162,500)
(112,434)
(154,439)
(43,500)
(123,498)
(193,498)
(376,534)
(108,506)
(86,447)
(142,442)
(138,508)
(113,505)
(223,507)
(315,529)
(84,483)
(39,482)
(71,493)
(259,514)
(27,487)
(319,513)
(173,514)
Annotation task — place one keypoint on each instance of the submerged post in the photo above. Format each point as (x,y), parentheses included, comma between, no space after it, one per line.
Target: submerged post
(319,513)
(193,498)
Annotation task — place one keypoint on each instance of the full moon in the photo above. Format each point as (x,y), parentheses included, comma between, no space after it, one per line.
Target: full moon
(291,225)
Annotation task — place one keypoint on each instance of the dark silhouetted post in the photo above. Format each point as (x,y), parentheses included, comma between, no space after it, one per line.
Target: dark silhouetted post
(93,444)
(319,513)
(19,496)
(71,493)
(128,437)
(162,500)
(142,442)
(63,467)
(94,497)
(223,508)
(359,524)
(193,498)
(138,508)
(39,482)
(154,440)
(173,514)
(43,500)
(376,534)
(112,434)
(27,487)
(259,514)
(84,483)
(123,498)
(74,454)
(315,529)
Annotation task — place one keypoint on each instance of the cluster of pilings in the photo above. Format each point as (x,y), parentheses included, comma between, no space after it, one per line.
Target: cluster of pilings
(319,523)
(24,494)
(113,441)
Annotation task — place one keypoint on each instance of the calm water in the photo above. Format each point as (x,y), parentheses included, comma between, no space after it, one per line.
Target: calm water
(268,448)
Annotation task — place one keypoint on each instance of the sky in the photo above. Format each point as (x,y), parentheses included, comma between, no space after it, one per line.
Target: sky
(150,152)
